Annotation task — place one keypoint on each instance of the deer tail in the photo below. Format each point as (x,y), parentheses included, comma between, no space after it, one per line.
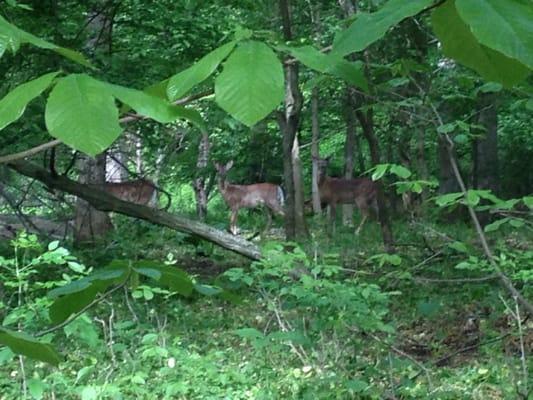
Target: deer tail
(280,196)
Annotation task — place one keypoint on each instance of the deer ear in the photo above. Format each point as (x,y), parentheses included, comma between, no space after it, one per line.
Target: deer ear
(229,164)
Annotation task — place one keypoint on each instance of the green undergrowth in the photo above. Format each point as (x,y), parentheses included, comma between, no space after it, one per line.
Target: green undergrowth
(331,318)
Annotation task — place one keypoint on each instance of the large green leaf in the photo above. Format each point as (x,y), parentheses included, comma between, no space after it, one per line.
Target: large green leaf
(153,106)
(23,344)
(12,37)
(367,28)
(251,84)
(183,81)
(12,106)
(505,26)
(73,297)
(65,306)
(351,72)
(81,112)
(169,276)
(459,43)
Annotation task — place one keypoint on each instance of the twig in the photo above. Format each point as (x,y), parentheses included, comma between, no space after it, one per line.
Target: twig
(29,152)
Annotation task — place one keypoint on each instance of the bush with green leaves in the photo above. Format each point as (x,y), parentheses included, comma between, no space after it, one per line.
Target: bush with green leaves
(318,312)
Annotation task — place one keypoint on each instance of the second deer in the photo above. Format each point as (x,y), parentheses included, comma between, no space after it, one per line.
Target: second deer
(359,191)
(249,196)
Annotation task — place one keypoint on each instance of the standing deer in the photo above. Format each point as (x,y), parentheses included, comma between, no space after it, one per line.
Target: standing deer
(359,191)
(249,196)
(140,191)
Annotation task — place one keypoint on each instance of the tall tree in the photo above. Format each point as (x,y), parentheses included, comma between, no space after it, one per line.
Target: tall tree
(289,122)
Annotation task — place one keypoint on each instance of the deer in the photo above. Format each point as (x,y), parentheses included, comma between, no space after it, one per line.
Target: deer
(359,191)
(140,191)
(249,196)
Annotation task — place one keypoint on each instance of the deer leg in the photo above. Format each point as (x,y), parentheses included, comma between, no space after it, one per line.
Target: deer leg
(233,222)
(333,217)
(363,219)
(269,221)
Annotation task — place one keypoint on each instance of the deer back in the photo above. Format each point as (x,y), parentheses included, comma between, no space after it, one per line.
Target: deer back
(141,191)
(250,196)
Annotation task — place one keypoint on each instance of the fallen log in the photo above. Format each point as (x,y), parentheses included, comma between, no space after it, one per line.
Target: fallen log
(103,201)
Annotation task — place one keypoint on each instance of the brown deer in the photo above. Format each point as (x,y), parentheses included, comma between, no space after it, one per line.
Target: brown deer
(249,196)
(141,191)
(359,191)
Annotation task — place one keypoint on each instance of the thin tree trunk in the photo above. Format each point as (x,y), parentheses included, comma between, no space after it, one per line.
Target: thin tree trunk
(349,150)
(315,152)
(289,123)
(485,155)
(200,181)
(421,160)
(485,150)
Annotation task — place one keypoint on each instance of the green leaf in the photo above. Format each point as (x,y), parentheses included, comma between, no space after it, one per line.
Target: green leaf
(36,388)
(516,222)
(446,128)
(379,171)
(207,290)
(529,105)
(367,28)
(528,201)
(351,72)
(505,26)
(458,246)
(249,333)
(23,344)
(182,82)
(112,274)
(12,106)
(472,197)
(448,199)
(495,225)
(400,171)
(357,386)
(152,106)
(169,276)
(12,37)
(251,84)
(491,87)
(81,112)
(459,43)
(63,307)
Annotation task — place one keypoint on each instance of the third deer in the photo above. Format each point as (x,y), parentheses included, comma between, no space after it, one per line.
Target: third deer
(359,191)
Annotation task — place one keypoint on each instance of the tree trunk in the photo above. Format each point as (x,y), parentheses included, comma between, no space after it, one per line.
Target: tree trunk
(421,160)
(91,224)
(199,184)
(485,150)
(447,181)
(367,123)
(315,152)
(349,150)
(289,122)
